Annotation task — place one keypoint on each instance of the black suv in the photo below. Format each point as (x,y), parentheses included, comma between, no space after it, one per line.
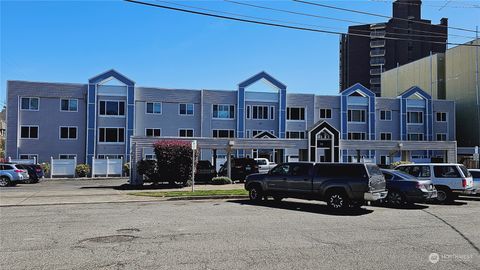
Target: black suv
(339,184)
(35,172)
(241,167)
(205,171)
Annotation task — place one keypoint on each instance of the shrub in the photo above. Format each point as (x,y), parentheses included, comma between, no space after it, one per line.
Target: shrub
(395,164)
(148,168)
(174,161)
(45,167)
(126,169)
(221,180)
(82,170)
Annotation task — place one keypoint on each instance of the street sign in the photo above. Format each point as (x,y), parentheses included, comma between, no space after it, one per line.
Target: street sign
(194,145)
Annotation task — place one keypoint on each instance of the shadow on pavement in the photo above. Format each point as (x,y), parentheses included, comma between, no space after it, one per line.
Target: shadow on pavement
(403,207)
(136,187)
(469,198)
(306,207)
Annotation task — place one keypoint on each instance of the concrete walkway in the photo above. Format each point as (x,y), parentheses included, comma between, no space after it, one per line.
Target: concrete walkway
(78,191)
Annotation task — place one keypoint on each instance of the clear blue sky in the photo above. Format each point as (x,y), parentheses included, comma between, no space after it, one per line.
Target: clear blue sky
(71,41)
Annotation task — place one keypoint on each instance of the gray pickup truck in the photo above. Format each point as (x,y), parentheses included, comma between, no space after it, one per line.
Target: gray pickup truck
(341,185)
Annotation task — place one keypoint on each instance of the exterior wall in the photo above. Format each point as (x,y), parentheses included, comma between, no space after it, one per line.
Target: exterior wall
(48,118)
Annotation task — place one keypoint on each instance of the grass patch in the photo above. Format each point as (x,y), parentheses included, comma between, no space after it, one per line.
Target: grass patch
(189,193)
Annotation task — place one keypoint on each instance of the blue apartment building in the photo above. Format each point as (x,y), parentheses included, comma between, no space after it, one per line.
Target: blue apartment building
(99,118)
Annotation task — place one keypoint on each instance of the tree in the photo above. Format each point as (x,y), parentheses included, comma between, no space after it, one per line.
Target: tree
(174,161)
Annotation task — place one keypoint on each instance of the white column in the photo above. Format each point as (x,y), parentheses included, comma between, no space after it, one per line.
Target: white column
(51,167)
(108,166)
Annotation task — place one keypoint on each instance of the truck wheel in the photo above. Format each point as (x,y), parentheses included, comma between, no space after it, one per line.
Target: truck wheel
(255,194)
(337,200)
(4,181)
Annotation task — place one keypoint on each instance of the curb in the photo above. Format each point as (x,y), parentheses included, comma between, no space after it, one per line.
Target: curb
(206,197)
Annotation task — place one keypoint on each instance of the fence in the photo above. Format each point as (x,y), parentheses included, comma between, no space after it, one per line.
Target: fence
(107,167)
(23,161)
(62,167)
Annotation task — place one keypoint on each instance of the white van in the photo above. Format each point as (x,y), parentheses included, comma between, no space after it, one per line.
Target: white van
(449,179)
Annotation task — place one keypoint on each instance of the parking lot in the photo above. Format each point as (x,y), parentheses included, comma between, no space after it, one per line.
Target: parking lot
(235,234)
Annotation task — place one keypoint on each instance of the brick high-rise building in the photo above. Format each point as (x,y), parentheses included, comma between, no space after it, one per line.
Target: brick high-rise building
(362,59)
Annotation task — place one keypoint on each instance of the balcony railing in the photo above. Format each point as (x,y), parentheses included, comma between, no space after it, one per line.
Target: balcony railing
(376,71)
(375,80)
(378,34)
(377,43)
(377,52)
(376,61)
(376,26)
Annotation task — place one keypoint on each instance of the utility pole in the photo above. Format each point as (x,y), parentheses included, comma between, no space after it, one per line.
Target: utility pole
(476,80)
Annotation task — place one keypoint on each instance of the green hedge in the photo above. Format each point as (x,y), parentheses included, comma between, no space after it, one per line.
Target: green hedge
(221,180)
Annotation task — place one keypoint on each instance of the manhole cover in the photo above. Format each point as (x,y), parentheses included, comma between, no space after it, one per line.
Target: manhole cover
(128,230)
(109,239)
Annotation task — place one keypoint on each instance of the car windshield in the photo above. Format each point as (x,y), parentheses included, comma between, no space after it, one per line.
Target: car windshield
(373,169)
(261,162)
(465,171)
(404,176)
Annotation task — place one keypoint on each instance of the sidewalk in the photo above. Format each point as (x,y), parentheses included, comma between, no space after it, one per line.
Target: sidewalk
(52,192)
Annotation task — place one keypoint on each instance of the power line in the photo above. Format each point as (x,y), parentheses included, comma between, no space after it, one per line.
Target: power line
(377,15)
(283,25)
(342,20)
(424,4)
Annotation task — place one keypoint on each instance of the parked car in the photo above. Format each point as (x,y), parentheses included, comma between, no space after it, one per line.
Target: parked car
(404,188)
(10,175)
(35,172)
(205,171)
(339,184)
(476,180)
(241,167)
(264,165)
(449,179)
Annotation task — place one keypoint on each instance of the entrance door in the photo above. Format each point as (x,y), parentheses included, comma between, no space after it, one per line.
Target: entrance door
(324,146)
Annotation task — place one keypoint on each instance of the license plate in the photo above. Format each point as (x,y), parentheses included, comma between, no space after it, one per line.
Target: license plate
(247,168)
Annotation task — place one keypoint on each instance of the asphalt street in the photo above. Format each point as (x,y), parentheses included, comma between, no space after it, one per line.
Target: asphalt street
(234,234)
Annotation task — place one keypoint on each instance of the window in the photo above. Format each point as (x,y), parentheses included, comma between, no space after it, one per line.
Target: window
(30,103)
(224,111)
(111,135)
(29,132)
(356,116)
(295,135)
(29,156)
(415,137)
(281,169)
(112,107)
(415,117)
(185,108)
(185,132)
(260,112)
(446,172)
(249,108)
(272,112)
(152,132)
(68,133)
(325,113)
(441,137)
(154,107)
(417,171)
(110,156)
(441,117)
(67,156)
(386,136)
(385,115)
(295,113)
(223,133)
(356,135)
(69,105)
(150,157)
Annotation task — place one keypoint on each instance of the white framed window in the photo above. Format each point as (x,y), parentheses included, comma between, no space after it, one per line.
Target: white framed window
(325,113)
(357,135)
(29,132)
(296,113)
(272,112)
(295,134)
(29,156)
(223,111)
(110,156)
(385,160)
(415,117)
(112,108)
(153,132)
(260,112)
(385,115)
(223,133)
(441,137)
(153,108)
(111,135)
(68,133)
(386,136)
(441,116)
(150,157)
(415,136)
(67,156)
(248,133)
(185,132)
(356,116)
(248,112)
(68,105)
(29,103)
(185,109)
